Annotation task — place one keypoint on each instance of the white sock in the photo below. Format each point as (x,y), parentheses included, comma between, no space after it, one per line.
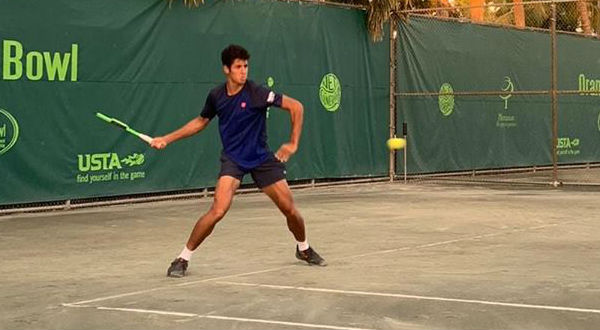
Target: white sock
(186,254)
(303,246)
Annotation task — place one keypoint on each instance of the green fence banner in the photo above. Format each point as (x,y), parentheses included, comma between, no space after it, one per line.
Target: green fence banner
(454,133)
(151,65)
(579,113)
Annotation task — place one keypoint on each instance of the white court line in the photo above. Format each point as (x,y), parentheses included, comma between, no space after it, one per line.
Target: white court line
(450,241)
(406,248)
(172,286)
(227,318)
(406,296)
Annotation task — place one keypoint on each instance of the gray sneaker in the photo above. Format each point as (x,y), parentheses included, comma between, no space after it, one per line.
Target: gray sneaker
(310,256)
(177,268)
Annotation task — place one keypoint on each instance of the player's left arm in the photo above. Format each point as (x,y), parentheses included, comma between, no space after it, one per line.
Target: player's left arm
(296,110)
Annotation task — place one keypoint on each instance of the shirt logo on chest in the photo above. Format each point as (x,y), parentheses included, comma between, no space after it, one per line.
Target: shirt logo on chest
(243,105)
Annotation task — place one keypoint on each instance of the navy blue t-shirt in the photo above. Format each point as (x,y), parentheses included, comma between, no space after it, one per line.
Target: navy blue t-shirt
(242,121)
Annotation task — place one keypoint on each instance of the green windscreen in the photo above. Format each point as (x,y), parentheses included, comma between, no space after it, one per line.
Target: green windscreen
(151,66)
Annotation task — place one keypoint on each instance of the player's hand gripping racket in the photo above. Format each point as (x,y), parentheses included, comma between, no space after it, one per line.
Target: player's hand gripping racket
(124,126)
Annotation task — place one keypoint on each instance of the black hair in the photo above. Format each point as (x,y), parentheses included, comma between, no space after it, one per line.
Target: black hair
(232,53)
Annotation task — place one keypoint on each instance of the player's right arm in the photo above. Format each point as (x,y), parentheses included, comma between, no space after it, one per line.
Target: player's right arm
(192,127)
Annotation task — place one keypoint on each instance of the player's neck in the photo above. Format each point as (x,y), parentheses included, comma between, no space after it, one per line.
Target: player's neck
(233,87)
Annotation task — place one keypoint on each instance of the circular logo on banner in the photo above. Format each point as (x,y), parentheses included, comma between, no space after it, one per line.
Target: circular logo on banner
(9,131)
(330,92)
(446,99)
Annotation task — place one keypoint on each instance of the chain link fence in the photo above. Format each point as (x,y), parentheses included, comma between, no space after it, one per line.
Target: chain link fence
(515,85)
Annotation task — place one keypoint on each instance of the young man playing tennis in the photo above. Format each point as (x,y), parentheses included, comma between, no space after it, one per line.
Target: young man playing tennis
(241,106)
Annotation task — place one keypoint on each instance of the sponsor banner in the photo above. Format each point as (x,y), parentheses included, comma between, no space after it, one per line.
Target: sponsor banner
(122,60)
(455,133)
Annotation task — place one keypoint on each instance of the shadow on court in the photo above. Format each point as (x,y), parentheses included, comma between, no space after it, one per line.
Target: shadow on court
(417,256)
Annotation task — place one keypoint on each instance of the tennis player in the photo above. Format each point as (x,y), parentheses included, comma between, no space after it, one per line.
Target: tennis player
(241,106)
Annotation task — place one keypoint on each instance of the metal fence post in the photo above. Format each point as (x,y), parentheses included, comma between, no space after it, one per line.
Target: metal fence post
(553,68)
(392,154)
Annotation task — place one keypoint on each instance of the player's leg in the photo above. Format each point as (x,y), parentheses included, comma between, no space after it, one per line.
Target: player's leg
(270,177)
(281,195)
(229,180)
(224,192)
(279,192)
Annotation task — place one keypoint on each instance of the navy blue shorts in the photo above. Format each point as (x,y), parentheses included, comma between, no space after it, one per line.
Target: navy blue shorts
(265,174)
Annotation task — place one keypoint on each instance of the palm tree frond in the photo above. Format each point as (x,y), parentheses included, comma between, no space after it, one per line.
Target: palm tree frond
(189,3)
(377,14)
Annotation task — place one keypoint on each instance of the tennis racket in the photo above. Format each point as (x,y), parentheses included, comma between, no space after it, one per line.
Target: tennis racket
(124,126)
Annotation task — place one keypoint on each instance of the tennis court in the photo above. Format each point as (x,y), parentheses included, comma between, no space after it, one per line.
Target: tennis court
(401,256)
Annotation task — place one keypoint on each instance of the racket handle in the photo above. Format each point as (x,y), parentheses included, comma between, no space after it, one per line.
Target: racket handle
(103,117)
(145,138)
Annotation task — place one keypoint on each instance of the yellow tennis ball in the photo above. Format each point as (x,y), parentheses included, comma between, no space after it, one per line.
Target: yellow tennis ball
(396,143)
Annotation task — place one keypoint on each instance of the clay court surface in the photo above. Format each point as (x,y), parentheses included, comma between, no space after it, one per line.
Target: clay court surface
(401,256)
